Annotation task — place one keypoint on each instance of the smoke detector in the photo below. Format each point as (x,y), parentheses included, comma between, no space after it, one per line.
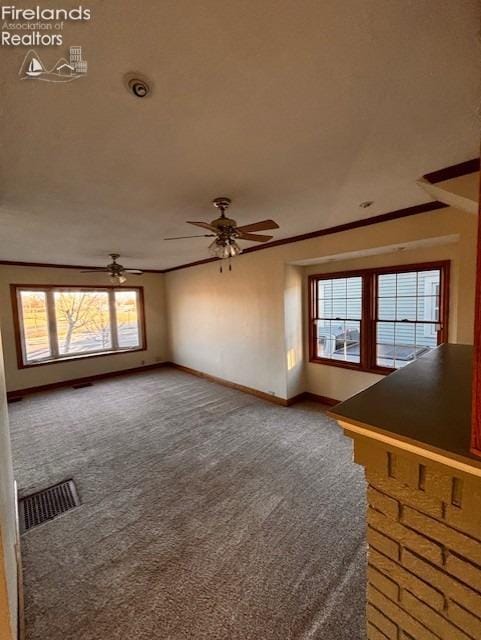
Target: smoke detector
(138,85)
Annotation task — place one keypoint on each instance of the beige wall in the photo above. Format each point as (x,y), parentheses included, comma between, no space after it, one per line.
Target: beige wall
(156,323)
(294,330)
(230,324)
(8,569)
(238,325)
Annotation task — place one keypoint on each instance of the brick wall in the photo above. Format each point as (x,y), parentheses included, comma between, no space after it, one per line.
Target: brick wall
(424,536)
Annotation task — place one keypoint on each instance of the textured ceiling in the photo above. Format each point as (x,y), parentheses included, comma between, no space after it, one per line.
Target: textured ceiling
(297,110)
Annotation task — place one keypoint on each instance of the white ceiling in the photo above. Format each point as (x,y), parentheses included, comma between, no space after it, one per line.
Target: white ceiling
(298,110)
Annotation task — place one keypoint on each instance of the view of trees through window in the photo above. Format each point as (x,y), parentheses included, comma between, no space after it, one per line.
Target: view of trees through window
(83,321)
(60,322)
(35,324)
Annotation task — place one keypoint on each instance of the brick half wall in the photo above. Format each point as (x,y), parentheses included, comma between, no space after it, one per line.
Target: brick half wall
(424,536)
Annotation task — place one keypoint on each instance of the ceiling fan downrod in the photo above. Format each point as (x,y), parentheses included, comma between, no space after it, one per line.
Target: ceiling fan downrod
(222,204)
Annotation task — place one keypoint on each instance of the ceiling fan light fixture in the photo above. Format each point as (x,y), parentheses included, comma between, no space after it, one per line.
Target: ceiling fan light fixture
(226,232)
(223,249)
(234,248)
(116,272)
(117,279)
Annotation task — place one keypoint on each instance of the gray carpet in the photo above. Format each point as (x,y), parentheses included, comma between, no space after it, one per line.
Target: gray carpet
(206,514)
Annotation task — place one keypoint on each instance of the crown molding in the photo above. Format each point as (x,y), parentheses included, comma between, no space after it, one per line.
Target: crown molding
(425,207)
(50,265)
(454,171)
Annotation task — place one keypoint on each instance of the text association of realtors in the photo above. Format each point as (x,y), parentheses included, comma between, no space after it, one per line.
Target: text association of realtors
(37,21)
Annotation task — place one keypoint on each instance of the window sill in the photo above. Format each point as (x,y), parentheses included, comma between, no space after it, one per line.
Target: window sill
(84,356)
(382,371)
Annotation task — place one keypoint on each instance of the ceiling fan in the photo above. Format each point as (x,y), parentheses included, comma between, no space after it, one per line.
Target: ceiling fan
(116,271)
(226,232)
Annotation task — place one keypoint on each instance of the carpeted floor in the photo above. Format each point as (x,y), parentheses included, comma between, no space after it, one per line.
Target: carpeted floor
(207,514)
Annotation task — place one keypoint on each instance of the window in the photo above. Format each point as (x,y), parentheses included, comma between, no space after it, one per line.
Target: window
(338,318)
(408,321)
(378,319)
(58,323)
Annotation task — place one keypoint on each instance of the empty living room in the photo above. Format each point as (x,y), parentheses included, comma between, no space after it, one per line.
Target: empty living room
(240,316)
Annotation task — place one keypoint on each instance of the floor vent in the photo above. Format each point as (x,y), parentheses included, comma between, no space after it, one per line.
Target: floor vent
(81,385)
(47,504)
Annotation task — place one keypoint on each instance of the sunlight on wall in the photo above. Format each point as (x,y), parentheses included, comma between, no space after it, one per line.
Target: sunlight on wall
(291,359)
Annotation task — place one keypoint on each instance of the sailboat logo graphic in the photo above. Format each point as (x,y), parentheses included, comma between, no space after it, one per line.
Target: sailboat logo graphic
(32,67)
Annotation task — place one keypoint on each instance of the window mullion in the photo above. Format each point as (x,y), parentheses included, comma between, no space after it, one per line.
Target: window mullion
(314,313)
(52,324)
(373,318)
(114,333)
(366,329)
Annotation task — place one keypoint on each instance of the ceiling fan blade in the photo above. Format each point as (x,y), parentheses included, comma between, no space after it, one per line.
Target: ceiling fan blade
(205,235)
(254,237)
(134,272)
(203,225)
(98,270)
(262,225)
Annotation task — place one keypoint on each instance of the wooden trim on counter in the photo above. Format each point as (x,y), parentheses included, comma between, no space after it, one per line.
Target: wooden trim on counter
(354,427)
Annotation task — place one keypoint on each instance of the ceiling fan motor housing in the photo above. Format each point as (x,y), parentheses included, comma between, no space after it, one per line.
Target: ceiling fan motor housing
(226,231)
(224,223)
(114,267)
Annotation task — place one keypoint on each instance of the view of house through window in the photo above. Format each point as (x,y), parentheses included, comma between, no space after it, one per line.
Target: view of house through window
(55,323)
(378,319)
(339,302)
(408,321)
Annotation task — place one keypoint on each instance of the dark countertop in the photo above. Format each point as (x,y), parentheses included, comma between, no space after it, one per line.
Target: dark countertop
(426,403)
